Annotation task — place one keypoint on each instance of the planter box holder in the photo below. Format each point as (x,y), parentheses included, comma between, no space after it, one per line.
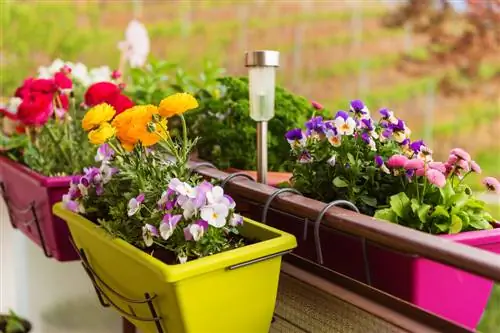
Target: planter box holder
(29,197)
(446,291)
(233,291)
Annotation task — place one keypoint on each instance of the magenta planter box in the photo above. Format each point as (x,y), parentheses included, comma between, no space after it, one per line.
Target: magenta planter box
(449,292)
(29,198)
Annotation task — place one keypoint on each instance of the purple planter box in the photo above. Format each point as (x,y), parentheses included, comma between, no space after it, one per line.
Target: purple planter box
(449,292)
(29,198)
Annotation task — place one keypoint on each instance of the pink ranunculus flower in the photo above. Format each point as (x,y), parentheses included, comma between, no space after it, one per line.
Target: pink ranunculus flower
(397,161)
(475,167)
(436,177)
(460,153)
(464,165)
(438,166)
(317,105)
(452,159)
(492,184)
(414,164)
(420,172)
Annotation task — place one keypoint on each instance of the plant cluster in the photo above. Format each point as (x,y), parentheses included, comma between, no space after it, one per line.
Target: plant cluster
(228,134)
(143,190)
(377,167)
(40,123)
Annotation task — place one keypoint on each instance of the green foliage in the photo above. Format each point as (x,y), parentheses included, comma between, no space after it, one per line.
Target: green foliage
(451,209)
(37,32)
(228,134)
(149,85)
(11,323)
(58,148)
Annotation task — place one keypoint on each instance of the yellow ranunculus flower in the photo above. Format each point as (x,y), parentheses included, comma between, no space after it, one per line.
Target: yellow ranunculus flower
(177,104)
(97,115)
(137,125)
(102,134)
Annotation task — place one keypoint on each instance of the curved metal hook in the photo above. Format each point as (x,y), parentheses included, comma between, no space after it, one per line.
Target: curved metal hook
(234,175)
(317,242)
(272,197)
(203,164)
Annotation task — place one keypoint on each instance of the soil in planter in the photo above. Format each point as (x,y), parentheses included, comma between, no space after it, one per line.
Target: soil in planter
(169,257)
(26,326)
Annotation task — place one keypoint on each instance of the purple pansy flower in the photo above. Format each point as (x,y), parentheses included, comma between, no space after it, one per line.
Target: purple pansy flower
(305,157)
(416,145)
(148,232)
(134,204)
(195,231)
(315,124)
(295,137)
(367,124)
(342,114)
(168,225)
(366,137)
(104,153)
(359,108)
(236,220)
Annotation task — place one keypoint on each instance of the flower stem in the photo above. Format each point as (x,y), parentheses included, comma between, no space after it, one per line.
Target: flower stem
(54,140)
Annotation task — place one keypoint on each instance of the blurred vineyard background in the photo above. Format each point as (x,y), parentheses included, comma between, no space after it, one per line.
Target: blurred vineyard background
(331,52)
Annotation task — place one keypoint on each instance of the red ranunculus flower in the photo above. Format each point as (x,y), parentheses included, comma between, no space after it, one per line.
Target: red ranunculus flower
(35,109)
(24,90)
(100,92)
(121,103)
(62,81)
(8,114)
(45,86)
(107,92)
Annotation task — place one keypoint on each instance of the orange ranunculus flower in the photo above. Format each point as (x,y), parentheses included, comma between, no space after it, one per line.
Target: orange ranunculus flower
(137,125)
(177,104)
(97,115)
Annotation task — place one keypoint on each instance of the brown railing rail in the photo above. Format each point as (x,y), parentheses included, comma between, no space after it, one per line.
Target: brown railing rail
(389,235)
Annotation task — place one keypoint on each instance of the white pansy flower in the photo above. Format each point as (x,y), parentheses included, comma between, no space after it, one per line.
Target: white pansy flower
(215,215)
(345,126)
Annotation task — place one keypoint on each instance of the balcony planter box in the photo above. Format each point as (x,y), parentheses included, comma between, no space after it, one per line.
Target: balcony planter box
(29,198)
(233,291)
(447,291)
(273,178)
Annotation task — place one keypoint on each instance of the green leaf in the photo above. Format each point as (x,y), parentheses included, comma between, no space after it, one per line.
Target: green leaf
(465,219)
(447,192)
(456,224)
(386,214)
(400,204)
(440,212)
(339,182)
(415,205)
(370,201)
(423,212)
(351,159)
(479,223)
(475,203)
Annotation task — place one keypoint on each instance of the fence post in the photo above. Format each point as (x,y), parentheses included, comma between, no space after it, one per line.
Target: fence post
(429,114)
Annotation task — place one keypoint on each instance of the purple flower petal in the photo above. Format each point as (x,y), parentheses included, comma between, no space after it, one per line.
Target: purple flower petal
(379,161)
(140,198)
(342,114)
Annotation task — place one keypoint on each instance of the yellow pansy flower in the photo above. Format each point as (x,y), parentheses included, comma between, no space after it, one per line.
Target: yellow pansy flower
(97,115)
(177,104)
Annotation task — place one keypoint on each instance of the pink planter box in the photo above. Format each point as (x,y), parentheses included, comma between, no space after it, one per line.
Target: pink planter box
(29,197)
(449,292)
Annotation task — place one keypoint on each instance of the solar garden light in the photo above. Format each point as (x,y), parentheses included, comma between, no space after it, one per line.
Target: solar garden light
(261,78)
